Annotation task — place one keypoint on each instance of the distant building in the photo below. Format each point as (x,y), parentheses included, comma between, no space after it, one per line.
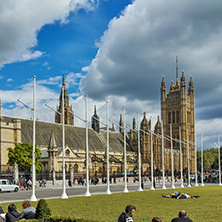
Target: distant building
(177,110)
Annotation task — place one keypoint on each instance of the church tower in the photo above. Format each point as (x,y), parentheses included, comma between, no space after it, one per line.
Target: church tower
(177,110)
(95,121)
(68,116)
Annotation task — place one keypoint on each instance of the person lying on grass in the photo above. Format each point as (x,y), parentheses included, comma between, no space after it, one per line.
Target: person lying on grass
(179,195)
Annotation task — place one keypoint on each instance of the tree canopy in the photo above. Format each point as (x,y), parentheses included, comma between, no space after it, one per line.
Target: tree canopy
(210,159)
(22,155)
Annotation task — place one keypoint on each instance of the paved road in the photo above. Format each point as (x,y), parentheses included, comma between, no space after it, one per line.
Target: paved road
(77,190)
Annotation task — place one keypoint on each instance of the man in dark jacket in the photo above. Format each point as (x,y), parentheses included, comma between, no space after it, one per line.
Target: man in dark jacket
(183,216)
(28,211)
(13,214)
(127,217)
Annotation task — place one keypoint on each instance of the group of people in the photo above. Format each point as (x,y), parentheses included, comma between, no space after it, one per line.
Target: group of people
(130,210)
(13,215)
(179,195)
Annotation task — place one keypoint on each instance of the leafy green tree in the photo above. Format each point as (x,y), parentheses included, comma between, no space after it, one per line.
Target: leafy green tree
(22,155)
(210,159)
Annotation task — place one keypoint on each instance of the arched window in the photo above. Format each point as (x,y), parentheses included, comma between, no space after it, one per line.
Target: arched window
(173,117)
(75,168)
(169,117)
(178,116)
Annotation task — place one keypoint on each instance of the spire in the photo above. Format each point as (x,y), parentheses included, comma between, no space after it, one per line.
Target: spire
(95,110)
(52,141)
(134,123)
(172,85)
(191,86)
(163,84)
(113,128)
(183,80)
(177,83)
(63,80)
(95,121)
(144,124)
(121,124)
(69,118)
(158,126)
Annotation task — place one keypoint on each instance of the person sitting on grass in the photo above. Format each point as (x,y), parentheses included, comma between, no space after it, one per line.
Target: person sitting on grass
(156,219)
(2,214)
(13,214)
(28,211)
(127,217)
(183,216)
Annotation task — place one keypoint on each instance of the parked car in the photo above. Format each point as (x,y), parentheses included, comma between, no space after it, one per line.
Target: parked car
(6,185)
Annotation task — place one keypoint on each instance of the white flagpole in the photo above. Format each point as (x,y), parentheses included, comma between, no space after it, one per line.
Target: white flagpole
(125,166)
(107,151)
(219,160)
(151,152)
(196,179)
(87,194)
(139,158)
(33,197)
(64,195)
(172,168)
(163,167)
(181,161)
(202,183)
(188,161)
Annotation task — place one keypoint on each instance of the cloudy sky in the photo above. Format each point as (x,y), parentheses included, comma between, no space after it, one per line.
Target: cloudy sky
(114,51)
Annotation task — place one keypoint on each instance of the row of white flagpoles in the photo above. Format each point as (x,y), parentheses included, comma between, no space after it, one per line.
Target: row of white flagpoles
(150,133)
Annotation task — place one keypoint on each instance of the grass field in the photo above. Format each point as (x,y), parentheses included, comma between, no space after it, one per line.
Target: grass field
(148,205)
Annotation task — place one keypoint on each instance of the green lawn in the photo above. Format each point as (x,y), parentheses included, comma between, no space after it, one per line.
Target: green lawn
(148,204)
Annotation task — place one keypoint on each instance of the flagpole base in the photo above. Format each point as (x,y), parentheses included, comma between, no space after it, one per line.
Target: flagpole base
(87,194)
(140,189)
(64,196)
(125,190)
(152,188)
(33,198)
(164,187)
(108,191)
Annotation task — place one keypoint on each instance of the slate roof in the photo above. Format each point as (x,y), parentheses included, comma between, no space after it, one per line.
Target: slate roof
(75,137)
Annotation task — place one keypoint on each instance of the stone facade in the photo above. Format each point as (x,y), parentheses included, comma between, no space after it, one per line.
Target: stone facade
(177,111)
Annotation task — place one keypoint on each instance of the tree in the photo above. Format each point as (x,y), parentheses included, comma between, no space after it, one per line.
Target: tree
(210,159)
(22,155)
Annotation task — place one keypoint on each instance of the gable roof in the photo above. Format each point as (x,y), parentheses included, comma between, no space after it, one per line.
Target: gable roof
(75,137)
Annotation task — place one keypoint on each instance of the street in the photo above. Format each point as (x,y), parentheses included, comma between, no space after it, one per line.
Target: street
(51,191)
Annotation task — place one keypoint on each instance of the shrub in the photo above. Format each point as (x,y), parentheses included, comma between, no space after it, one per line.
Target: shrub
(42,210)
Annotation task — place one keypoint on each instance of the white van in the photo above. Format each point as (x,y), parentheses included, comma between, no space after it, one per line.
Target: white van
(6,185)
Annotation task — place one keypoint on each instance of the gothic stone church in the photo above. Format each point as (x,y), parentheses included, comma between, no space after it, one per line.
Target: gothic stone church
(177,108)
